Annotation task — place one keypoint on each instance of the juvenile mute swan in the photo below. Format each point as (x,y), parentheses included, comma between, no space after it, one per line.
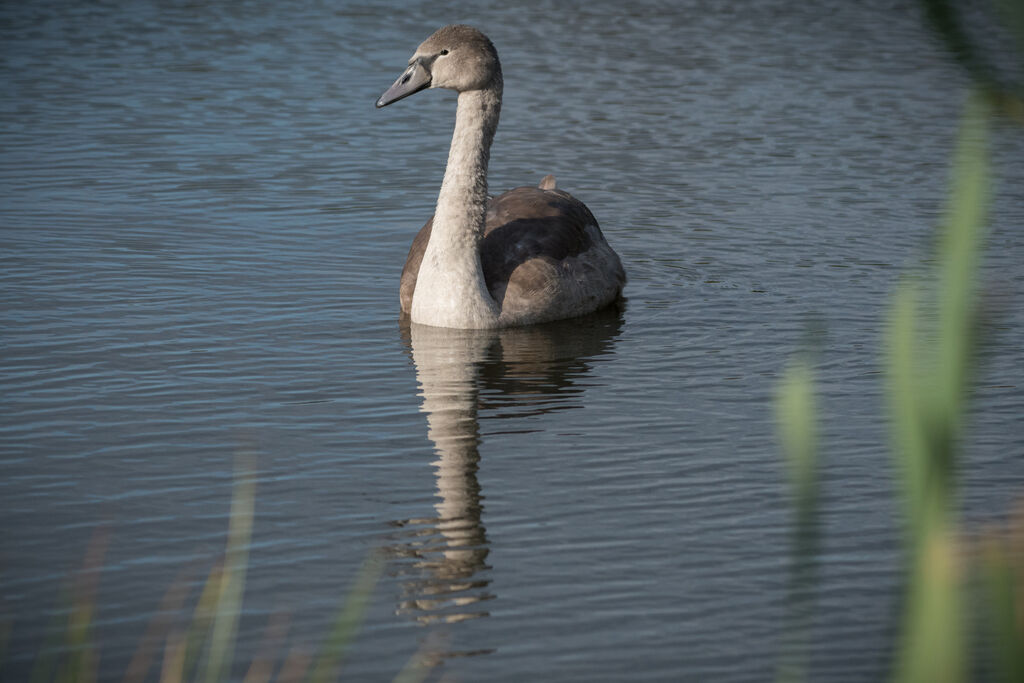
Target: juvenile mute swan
(533,254)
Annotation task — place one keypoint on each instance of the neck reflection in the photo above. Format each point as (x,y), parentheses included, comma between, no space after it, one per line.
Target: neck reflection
(465,376)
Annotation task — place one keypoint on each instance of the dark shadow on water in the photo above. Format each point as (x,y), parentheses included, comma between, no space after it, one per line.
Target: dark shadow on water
(464,377)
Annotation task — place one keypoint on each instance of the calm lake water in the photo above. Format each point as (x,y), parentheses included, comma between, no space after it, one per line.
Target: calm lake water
(203,222)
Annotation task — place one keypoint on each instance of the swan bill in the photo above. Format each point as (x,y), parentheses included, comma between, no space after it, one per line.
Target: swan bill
(412,80)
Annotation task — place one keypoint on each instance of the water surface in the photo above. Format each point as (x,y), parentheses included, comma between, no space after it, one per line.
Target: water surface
(202,226)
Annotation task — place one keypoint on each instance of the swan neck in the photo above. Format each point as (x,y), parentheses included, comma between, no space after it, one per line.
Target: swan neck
(450,289)
(462,202)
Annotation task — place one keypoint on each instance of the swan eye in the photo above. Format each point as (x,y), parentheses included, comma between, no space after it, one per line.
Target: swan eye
(443,52)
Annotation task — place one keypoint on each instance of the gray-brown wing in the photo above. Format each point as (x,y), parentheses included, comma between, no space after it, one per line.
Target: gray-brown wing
(412,266)
(522,225)
(529,223)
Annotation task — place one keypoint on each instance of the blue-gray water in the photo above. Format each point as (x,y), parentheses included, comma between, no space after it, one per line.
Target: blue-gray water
(202,226)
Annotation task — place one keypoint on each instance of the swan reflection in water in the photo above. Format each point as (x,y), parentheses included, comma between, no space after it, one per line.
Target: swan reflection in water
(466,376)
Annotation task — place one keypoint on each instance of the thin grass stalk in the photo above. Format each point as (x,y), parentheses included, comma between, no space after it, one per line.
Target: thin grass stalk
(419,665)
(999,579)
(197,636)
(232,583)
(928,379)
(959,256)
(46,661)
(796,416)
(173,669)
(348,621)
(261,670)
(295,666)
(156,632)
(82,660)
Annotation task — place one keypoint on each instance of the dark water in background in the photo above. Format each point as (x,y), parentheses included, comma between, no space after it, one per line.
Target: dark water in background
(202,225)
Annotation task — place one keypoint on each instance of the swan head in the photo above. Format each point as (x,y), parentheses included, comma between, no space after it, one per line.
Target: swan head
(456,57)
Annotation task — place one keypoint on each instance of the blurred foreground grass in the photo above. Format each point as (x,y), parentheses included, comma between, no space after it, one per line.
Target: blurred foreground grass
(931,344)
(963,588)
(202,646)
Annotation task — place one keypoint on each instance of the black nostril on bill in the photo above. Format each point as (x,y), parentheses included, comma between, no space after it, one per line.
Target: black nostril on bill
(405,78)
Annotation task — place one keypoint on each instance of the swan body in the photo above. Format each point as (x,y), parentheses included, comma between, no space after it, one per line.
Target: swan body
(530,255)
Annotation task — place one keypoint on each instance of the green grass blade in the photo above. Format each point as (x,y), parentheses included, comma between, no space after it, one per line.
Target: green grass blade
(796,416)
(906,405)
(934,647)
(928,382)
(232,583)
(1002,578)
(959,255)
(348,621)
(795,411)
